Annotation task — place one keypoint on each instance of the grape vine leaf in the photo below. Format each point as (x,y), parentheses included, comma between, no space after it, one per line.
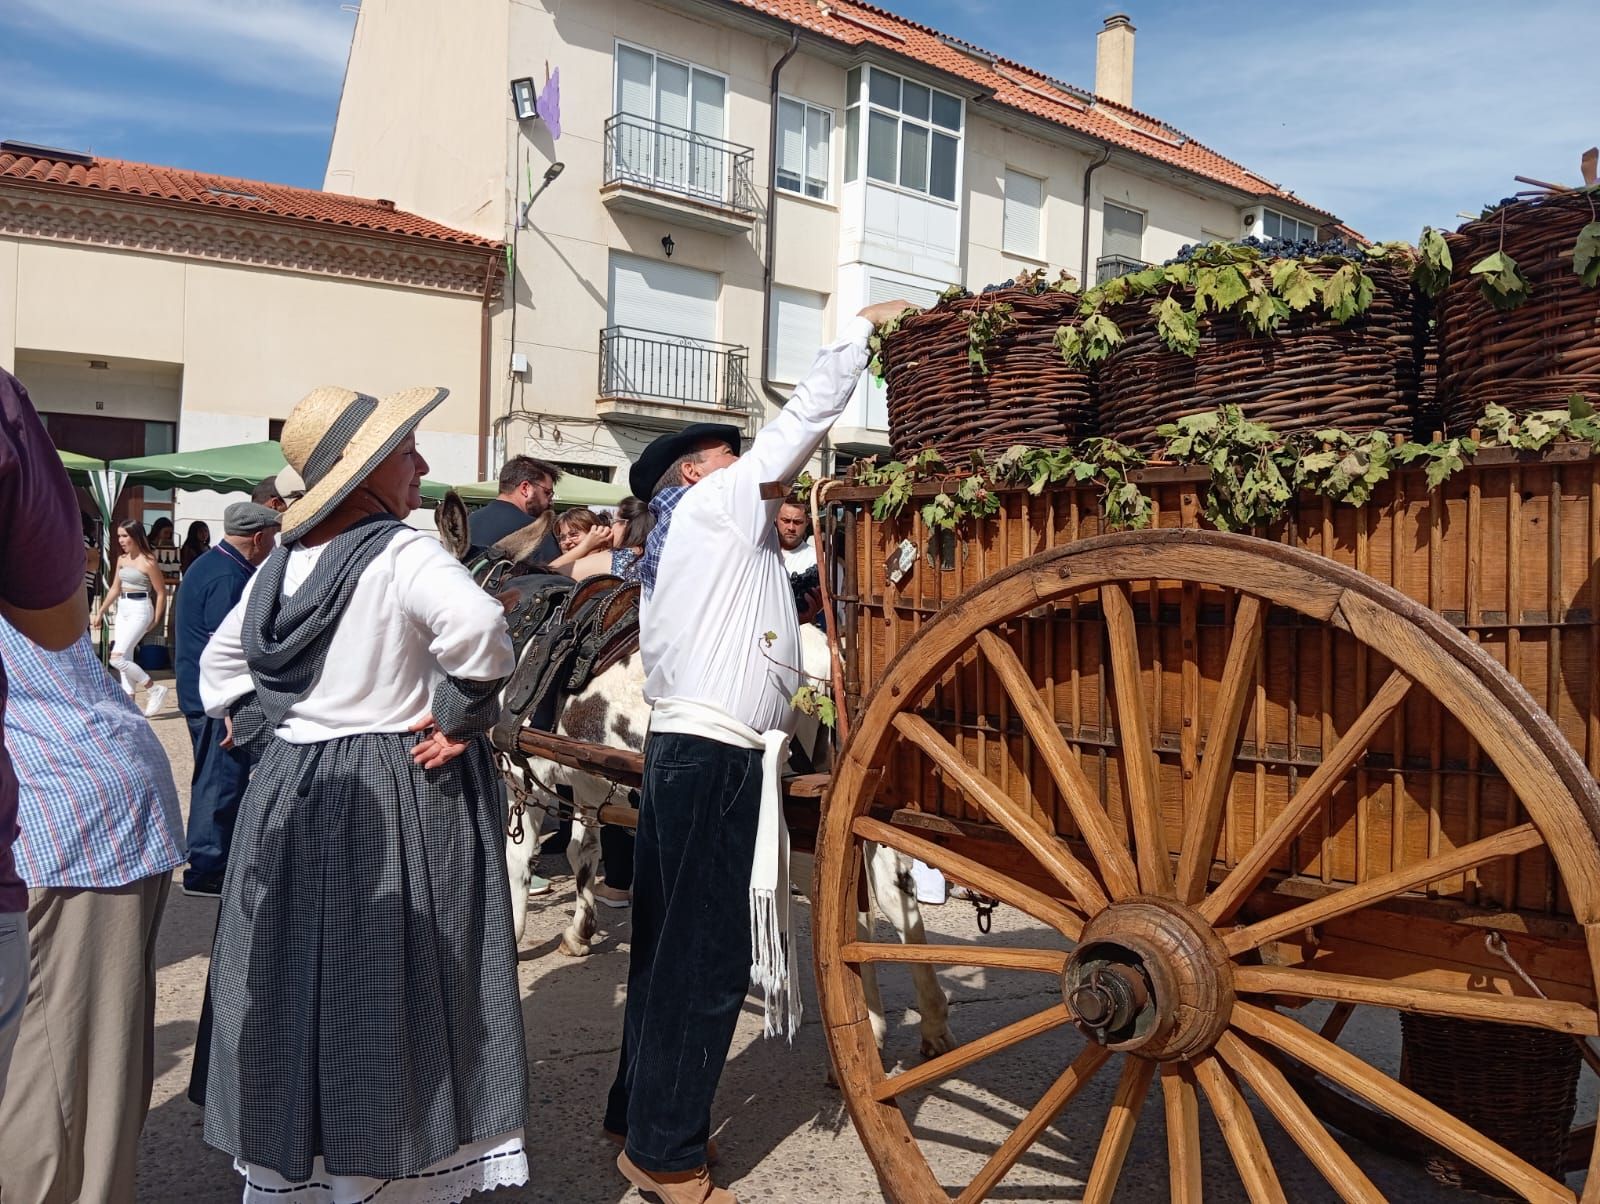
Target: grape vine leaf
(1586,255)
(1346,293)
(1501,280)
(1298,287)
(1263,311)
(1434,263)
(1178,327)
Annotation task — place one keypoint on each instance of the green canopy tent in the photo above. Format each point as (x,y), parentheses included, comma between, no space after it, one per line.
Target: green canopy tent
(79,467)
(571,490)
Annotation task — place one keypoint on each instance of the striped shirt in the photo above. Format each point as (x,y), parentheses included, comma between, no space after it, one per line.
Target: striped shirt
(97,805)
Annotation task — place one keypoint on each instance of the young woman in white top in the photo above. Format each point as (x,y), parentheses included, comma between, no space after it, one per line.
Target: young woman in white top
(139,588)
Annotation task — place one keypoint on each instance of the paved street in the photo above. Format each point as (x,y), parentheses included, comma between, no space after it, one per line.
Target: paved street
(784,1133)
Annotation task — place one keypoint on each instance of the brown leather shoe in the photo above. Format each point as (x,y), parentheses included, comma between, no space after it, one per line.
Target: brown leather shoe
(675,1187)
(713,1155)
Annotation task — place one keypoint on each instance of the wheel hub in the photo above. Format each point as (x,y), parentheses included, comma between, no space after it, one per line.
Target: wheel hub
(1149,975)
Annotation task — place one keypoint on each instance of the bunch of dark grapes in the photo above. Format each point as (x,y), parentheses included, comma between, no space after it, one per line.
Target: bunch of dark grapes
(995,288)
(1278,248)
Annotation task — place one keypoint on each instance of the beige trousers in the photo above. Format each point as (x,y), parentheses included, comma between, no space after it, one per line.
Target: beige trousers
(81,1075)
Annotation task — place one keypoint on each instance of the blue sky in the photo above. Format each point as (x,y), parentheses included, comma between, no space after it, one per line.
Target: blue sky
(1393,115)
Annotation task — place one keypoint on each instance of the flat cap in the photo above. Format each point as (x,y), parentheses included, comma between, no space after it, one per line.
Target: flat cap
(246,518)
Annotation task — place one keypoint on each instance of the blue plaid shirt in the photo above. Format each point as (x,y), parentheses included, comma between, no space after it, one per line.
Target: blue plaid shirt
(97,804)
(662,506)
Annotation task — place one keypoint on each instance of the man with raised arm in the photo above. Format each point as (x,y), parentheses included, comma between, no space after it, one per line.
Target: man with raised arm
(721,646)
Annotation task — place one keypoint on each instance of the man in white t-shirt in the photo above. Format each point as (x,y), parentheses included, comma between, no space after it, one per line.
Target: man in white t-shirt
(794,537)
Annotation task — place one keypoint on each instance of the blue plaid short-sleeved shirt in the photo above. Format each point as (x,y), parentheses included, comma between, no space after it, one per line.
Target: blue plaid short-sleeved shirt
(97,804)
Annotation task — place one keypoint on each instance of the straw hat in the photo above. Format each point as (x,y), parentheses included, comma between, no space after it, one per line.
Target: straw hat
(334,437)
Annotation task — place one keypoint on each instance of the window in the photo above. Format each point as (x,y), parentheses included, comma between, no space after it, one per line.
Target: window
(913,133)
(1122,236)
(589,472)
(1279,225)
(796,332)
(275,429)
(804,132)
(671,110)
(1023,216)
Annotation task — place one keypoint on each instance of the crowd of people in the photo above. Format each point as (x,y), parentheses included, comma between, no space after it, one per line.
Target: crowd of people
(337,670)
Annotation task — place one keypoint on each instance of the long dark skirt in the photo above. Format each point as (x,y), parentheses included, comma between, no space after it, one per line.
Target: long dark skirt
(363,982)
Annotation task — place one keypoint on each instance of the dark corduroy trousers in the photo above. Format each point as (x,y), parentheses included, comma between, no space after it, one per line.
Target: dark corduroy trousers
(689,967)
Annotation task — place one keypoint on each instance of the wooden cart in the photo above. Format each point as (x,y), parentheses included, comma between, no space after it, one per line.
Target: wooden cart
(1243,785)
(1344,763)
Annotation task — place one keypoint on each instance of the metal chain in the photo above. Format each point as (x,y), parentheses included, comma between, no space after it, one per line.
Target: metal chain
(984,906)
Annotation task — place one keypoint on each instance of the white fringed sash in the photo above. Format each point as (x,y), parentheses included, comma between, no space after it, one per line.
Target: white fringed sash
(771,968)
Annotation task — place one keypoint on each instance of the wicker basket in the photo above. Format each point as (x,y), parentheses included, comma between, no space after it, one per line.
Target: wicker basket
(1516,1086)
(1537,355)
(1310,374)
(1028,394)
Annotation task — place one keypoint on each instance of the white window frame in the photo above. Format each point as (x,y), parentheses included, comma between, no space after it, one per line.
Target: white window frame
(616,99)
(1310,234)
(866,106)
(809,107)
(1037,253)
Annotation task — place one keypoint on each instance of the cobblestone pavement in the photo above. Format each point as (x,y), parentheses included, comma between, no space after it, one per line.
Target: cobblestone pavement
(784,1134)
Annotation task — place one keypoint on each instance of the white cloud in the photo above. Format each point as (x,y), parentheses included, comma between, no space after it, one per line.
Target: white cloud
(287,45)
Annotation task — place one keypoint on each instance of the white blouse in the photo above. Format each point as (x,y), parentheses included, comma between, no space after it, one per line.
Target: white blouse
(415,616)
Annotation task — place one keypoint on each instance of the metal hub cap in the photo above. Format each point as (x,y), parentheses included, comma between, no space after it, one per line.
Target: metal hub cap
(1149,975)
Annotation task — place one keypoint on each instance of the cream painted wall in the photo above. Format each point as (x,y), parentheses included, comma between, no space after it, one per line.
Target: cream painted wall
(8,304)
(246,344)
(1173,214)
(422,113)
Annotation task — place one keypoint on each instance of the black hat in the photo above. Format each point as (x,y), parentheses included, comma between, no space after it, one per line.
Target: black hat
(659,456)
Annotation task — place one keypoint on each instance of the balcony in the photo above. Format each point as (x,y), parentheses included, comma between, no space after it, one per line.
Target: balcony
(1109,267)
(665,381)
(663,171)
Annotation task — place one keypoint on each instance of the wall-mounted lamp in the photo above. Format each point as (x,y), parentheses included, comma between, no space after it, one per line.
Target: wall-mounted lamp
(524,98)
(550,174)
(667,244)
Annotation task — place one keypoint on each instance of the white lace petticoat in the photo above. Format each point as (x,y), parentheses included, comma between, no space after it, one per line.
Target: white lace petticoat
(482,1166)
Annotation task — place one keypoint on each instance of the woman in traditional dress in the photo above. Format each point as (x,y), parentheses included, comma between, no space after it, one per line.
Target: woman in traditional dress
(139,589)
(367,1028)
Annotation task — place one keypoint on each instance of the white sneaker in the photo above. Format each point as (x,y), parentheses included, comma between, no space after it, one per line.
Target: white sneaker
(154,698)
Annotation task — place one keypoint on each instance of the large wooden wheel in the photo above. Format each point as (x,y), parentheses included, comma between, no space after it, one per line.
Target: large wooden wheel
(1177,940)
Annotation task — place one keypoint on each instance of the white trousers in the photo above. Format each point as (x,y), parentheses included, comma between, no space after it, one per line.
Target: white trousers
(135,616)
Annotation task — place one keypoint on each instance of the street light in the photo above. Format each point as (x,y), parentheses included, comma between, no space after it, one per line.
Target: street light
(550,174)
(524,98)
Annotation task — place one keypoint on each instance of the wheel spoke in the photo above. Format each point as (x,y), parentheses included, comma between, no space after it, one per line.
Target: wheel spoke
(1083,801)
(1138,750)
(946,1065)
(1253,866)
(1185,1170)
(995,957)
(1326,1154)
(1503,844)
(1125,1108)
(1239,1130)
(1044,844)
(971,873)
(1399,1102)
(1070,1082)
(1556,1015)
(1216,767)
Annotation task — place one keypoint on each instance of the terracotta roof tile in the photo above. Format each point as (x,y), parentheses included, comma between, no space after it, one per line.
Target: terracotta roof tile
(120,177)
(1022,88)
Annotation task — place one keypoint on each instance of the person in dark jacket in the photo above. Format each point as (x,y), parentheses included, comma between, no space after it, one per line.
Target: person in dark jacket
(527,490)
(210,589)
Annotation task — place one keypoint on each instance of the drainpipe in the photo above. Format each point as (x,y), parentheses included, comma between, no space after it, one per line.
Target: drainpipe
(1088,174)
(484,344)
(772,222)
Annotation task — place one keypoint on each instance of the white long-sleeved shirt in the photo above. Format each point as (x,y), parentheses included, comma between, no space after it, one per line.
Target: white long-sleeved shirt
(722,584)
(414,616)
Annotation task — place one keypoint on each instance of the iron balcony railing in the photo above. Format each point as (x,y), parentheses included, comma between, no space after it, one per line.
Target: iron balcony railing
(650,366)
(1109,267)
(665,158)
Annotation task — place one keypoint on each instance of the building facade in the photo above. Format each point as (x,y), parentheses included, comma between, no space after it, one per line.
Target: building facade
(727,179)
(151,310)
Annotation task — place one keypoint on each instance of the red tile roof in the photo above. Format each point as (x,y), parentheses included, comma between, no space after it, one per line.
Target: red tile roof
(121,178)
(1022,88)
